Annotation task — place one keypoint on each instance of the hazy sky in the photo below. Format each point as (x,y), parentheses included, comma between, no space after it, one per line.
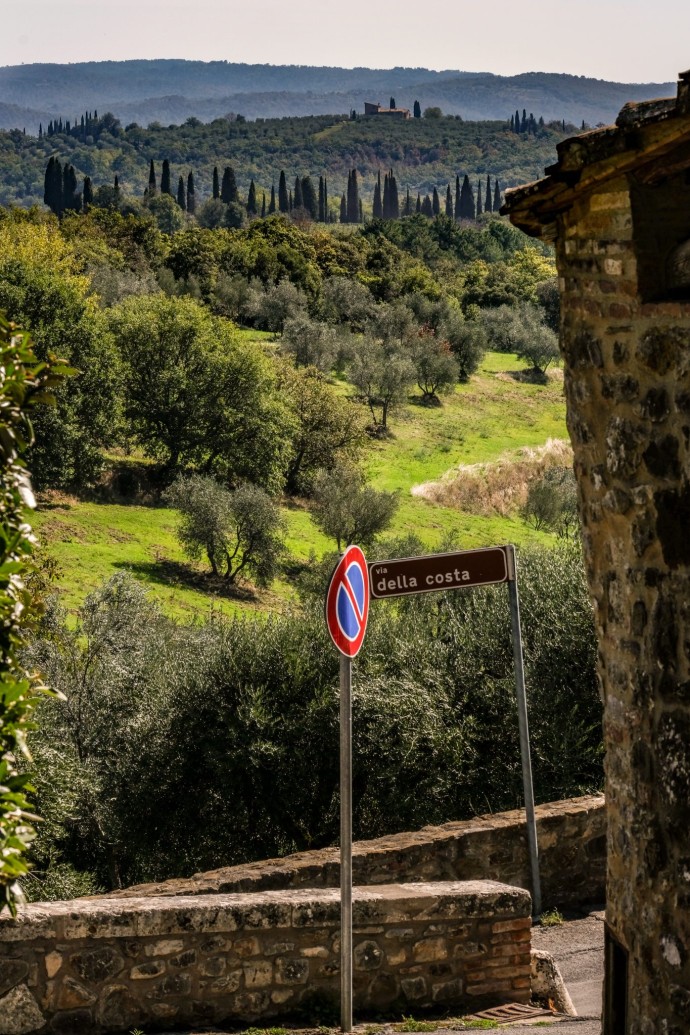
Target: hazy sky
(625,40)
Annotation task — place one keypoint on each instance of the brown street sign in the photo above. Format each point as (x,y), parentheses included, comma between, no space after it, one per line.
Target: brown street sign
(437,571)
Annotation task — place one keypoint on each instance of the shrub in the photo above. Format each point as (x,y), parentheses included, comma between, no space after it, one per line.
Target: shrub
(24,383)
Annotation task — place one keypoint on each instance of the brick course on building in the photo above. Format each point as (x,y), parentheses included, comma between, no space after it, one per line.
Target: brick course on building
(617,206)
(92,966)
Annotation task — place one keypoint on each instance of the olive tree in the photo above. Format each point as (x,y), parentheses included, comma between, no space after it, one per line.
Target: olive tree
(239,533)
(435,366)
(310,343)
(382,374)
(350,511)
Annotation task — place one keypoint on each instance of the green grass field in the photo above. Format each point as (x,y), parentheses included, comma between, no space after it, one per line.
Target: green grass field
(492,415)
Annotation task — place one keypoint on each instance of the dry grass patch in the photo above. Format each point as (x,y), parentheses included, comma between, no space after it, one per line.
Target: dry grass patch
(499,486)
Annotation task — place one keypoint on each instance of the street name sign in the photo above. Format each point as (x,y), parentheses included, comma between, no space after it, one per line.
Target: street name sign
(437,571)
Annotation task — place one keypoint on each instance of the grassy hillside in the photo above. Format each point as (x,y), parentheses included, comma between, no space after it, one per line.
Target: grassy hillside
(481,421)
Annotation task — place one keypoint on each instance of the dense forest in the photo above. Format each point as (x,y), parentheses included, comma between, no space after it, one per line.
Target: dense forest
(172,91)
(424,153)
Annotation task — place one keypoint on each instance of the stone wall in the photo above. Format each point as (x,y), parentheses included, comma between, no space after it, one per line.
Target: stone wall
(91,966)
(572,846)
(628,390)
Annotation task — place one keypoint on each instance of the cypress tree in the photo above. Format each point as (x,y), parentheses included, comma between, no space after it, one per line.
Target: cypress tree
(523,124)
(419,204)
(361,211)
(322,207)
(392,103)
(343,207)
(290,201)
(87,194)
(417,110)
(458,214)
(283,200)
(70,198)
(386,200)
(487,200)
(165,178)
(512,123)
(151,190)
(191,194)
(517,121)
(467,209)
(263,205)
(40,131)
(216,183)
(272,202)
(353,198)
(408,204)
(228,187)
(449,202)
(436,204)
(497,197)
(378,207)
(52,186)
(427,209)
(251,200)
(309,197)
(479,199)
(297,199)
(181,199)
(325,200)
(393,203)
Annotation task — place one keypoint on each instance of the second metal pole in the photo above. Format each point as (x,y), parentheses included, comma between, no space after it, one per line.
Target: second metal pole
(345,844)
(524,733)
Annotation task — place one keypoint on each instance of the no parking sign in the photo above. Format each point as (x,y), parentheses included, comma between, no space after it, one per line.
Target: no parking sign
(347,602)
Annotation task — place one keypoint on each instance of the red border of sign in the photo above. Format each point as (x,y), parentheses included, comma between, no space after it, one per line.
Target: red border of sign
(350,648)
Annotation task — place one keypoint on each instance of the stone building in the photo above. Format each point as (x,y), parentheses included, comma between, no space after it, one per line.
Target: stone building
(617,207)
(391,113)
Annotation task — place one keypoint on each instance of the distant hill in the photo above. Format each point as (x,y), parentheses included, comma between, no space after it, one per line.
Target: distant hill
(174,90)
(425,153)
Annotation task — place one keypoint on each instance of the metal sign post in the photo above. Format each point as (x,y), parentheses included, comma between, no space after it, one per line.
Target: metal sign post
(345,843)
(347,611)
(402,576)
(525,753)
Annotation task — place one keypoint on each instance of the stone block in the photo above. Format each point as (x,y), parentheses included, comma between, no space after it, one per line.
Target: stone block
(19,1012)
(12,973)
(291,971)
(368,955)
(258,974)
(146,971)
(228,984)
(53,962)
(213,967)
(413,988)
(96,965)
(165,947)
(429,949)
(71,995)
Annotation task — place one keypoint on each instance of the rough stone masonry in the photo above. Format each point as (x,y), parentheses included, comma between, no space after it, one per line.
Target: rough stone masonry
(617,205)
(92,966)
